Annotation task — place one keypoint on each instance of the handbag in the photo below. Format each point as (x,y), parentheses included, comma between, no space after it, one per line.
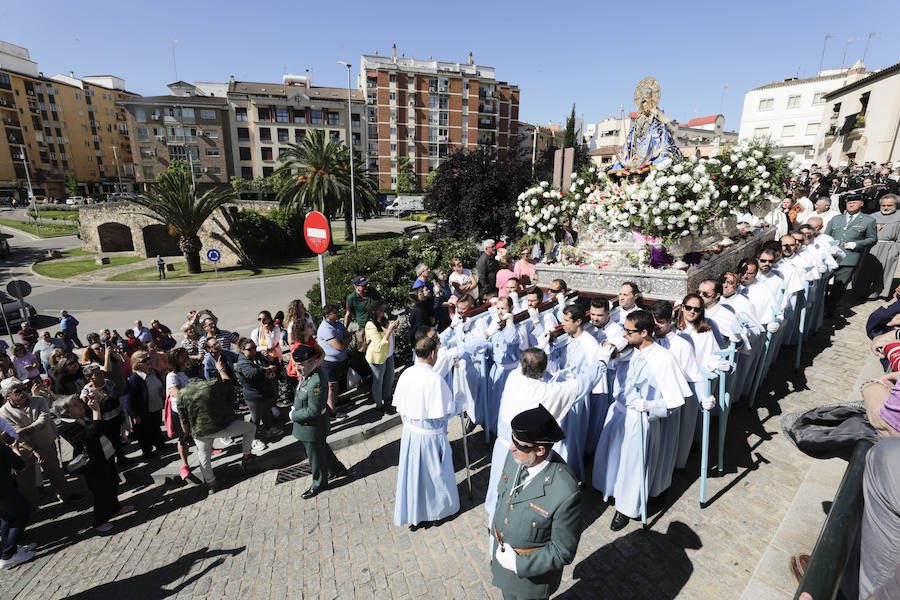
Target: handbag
(79,464)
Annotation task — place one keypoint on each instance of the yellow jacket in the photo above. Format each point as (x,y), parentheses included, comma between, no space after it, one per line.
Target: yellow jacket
(377,351)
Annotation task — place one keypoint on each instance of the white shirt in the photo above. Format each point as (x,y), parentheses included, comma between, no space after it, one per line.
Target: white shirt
(619,314)
(463,278)
(422,393)
(533,473)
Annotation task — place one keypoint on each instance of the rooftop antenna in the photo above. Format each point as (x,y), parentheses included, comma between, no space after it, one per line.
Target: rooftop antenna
(722,100)
(844,58)
(822,60)
(174,64)
(868,37)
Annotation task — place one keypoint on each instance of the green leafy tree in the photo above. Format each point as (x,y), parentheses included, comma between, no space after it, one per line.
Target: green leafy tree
(71,184)
(316,176)
(474,195)
(406,176)
(173,201)
(569,140)
(429,180)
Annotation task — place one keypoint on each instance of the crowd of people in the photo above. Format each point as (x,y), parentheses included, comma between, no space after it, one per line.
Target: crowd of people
(568,385)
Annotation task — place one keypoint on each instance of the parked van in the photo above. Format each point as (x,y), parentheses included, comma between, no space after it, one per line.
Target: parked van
(405,205)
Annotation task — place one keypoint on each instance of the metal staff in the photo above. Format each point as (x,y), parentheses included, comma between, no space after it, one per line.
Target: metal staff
(462,422)
(637,388)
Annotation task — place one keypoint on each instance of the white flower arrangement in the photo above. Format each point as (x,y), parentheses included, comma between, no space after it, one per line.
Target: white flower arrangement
(542,209)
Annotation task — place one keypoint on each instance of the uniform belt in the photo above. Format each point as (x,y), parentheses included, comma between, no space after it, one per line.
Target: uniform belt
(422,430)
(516,550)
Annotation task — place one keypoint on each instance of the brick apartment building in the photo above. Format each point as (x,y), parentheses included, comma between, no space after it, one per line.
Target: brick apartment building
(428,109)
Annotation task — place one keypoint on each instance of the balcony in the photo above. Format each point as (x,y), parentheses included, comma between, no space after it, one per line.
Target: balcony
(4,103)
(11,122)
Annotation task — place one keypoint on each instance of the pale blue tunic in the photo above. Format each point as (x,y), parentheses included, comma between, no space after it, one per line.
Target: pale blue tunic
(426,481)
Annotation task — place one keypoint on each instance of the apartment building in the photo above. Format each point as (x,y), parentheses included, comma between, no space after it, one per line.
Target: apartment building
(266,117)
(63,126)
(428,109)
(185,125)
(790,111)
(533,140)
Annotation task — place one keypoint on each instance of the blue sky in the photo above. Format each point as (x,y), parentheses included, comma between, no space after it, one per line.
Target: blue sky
(590,53)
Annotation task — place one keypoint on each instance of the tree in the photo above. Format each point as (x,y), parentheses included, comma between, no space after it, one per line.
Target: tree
(173,201)
(474,195)
(569,140)
(406,176)
(71,184)
(317,177)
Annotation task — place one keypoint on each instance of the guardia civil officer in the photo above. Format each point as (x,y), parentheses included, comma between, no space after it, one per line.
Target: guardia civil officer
(537,522)
(311,421)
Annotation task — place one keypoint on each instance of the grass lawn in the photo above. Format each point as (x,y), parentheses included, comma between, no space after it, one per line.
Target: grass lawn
(47,229)
(301,265)
(76,252)
(63,215)
(61,270)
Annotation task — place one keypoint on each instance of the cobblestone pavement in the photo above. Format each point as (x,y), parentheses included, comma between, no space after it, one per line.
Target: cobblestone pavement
(259,540)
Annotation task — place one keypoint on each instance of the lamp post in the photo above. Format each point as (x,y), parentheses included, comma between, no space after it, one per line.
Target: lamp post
(118,175)
(350,146)
(37,214)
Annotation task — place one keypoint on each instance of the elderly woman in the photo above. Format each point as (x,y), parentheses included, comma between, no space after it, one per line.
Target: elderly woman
(28,367)
(87,439)
(146,394)
(67,377)
(111,411)
(191,342)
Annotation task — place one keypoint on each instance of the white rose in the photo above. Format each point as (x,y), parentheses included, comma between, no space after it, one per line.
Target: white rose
(534,201)
(664,204)
(544,184)
(678,168)
(696,188)
(658,221)
(587,190)
(742,164)
(671,190)
(672,219)
(734,189)
(745,189)
(693,219)
(685,178)
(723,204)
(543,228)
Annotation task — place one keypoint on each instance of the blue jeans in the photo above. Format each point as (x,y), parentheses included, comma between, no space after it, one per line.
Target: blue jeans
(382,380)
(14,513)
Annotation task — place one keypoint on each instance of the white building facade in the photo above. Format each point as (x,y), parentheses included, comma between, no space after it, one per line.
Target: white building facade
(790,112)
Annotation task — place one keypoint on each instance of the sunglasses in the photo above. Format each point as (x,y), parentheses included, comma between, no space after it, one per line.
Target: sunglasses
(707,294)
(766,260)
(523,447)
(552,291)
(631,330)
(263,319)
(690,308)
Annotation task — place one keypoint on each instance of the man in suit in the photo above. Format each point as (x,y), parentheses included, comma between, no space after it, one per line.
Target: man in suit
(817,188)
(855,233)
(537,521)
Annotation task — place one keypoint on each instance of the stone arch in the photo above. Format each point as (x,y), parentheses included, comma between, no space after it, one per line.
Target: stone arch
(158,241)
(115,237)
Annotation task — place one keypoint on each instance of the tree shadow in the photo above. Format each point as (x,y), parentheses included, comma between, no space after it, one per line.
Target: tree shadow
(641,564)
(151,585)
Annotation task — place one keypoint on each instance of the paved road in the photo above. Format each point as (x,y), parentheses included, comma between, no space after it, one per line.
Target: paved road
(117,306)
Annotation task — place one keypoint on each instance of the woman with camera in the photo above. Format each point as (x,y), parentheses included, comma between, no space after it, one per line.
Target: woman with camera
(380,355)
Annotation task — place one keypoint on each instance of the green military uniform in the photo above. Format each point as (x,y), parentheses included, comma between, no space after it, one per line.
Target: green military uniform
(862,232)
(541,522)
(312,424)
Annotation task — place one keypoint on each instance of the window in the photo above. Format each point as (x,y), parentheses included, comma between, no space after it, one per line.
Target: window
(410,81)
(240,114)
(247,173)
(265,134)
(812,128)
(213,135)
(212,152)
(334,136)
(393,147)
(766,104)
(793,101)
(392,78)
(80,112)
(142,134)
(392,95)
(243,134)
(245,153)
(761,132)
(283,135)
(148,173)
(263,114)
(281,115)
(266,153)
(334,118)
(300,116)
(177,153)
(393,131)
(282,152)
(299,135)
(354,120)
(788,131)
(214,170)
(140,115)
(818,98)
(356,139)
(267,171)
(5,81)
(147,152)
(77,95)
(315,117)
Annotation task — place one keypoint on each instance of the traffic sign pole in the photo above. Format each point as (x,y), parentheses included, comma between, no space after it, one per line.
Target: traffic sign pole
(322,278)
(214,256)
(318,234)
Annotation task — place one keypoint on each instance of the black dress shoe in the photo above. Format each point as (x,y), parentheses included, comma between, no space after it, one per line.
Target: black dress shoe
(619,521)
(311,493)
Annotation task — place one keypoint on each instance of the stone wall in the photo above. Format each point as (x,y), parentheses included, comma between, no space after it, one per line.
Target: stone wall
(103,229)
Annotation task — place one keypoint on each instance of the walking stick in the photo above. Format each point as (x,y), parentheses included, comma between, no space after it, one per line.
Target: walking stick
(462,423)
(637,387)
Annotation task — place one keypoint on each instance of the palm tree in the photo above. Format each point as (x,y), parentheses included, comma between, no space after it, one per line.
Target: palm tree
(173,202)
(317,174)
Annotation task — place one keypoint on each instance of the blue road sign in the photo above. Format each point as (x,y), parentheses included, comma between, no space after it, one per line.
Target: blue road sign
(213,255)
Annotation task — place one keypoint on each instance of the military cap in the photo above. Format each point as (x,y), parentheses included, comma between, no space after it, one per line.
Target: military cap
(536,426)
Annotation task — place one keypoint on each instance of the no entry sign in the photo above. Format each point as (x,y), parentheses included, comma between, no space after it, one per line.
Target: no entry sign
(316,232)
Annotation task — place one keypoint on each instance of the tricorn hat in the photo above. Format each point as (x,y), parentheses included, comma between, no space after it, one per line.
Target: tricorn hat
(536,426)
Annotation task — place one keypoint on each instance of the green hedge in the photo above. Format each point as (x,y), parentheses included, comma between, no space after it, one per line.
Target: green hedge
(390,267)
(269,236)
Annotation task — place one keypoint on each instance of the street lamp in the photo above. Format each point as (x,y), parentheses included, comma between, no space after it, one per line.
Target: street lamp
(37,214)
(350,145)
(118,175)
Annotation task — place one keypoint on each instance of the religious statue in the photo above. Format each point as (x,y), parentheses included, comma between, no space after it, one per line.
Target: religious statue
(651,140)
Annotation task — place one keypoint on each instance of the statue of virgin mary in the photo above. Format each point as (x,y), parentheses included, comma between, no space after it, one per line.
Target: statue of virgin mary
(651,140)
